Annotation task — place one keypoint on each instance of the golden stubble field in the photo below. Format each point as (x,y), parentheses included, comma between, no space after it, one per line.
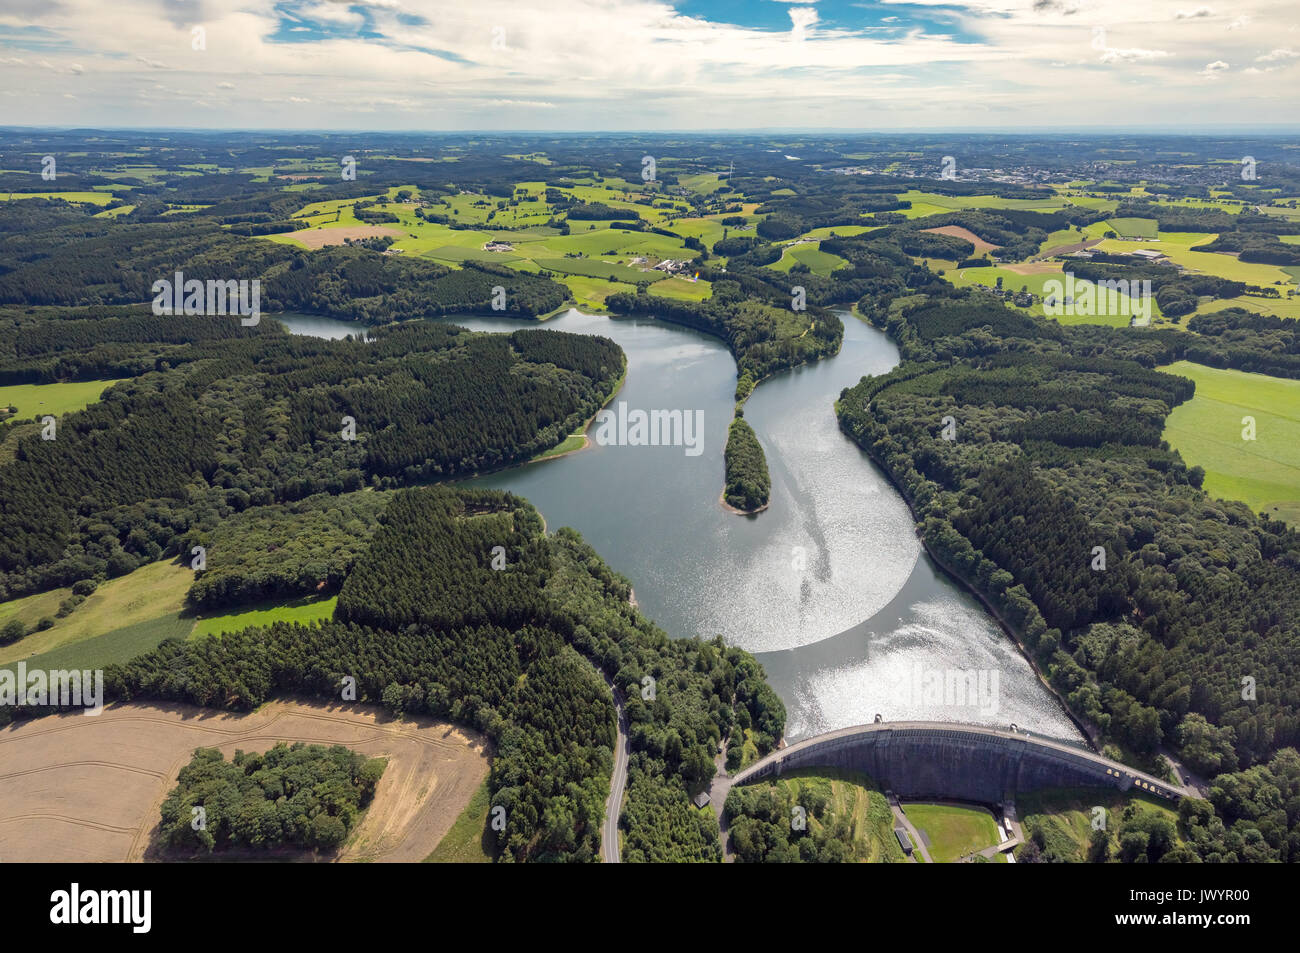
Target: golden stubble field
(80,788)
(957,231)
(320,237)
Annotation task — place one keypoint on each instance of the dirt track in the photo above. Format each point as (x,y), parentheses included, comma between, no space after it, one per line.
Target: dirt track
(80,788)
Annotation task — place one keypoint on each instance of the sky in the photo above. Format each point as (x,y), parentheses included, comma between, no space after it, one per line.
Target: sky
(621,65)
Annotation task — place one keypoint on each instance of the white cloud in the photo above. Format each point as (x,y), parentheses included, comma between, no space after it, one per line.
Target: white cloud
(1114,55)
(802,18)
(617,64)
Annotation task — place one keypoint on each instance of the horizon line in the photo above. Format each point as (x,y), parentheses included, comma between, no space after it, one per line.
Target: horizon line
(1148,130)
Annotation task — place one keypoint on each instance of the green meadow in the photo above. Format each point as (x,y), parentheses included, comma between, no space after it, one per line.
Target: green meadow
(838,231)
(117,646)
(1180,247)
(953,831)
(1036,283)
(1133,227)
(94,198)
(1207,430)
(308,609)
(595,268)
(1284,307)
(819,262)
(1064,236)
(151,592)
(932,203)
(37,400)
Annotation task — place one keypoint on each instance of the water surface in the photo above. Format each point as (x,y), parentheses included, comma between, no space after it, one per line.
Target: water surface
(829,586)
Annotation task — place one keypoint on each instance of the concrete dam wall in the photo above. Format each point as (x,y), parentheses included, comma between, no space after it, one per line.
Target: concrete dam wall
(963,762)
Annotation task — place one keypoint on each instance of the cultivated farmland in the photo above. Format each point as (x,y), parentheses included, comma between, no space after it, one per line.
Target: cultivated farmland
(111,773)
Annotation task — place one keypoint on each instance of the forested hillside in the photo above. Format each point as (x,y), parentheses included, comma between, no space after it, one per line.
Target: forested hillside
(281,551)
(227,424)
(1032,457)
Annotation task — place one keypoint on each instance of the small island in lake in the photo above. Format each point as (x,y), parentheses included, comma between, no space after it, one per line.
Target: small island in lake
(748,484)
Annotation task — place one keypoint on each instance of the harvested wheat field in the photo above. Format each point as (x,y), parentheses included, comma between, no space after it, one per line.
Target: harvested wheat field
(320,237)
(956,231)
(89,788)
(1034,267)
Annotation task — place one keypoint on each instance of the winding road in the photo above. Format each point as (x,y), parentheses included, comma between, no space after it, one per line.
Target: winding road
(609,846)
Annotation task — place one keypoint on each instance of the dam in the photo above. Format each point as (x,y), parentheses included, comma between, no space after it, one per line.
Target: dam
(944,760)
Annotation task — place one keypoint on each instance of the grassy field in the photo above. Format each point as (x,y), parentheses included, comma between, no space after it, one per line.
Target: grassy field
(838,231)
(932,203)
(1277,307)
(94,198)
(1063,236)
(966,277)
(1179,246)
(30,610)
(1133,227)
(118,645)
(144,596)
(307,609)
(1207,431)
(37,400)
(819,262)
(467,841)
(953,831)
(683,288)
(595,268)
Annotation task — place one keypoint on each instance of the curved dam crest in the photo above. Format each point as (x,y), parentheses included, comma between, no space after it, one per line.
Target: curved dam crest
(962,762)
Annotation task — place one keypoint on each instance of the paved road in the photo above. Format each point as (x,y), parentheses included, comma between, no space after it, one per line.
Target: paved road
(609,851)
